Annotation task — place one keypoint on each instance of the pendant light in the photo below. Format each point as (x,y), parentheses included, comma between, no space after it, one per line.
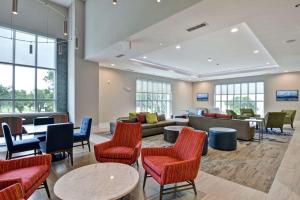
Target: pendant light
(14,9)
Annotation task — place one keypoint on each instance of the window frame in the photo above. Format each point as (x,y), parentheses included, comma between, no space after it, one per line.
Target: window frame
(13,64)
(157,94)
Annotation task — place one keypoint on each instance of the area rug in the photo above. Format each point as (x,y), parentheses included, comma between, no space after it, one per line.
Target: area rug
(253,164)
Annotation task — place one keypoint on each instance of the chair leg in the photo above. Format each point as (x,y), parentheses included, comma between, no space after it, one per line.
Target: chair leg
(71,156)
(137,164)
(292,125)
(46,188)
(161,192)
(15,137)
(35,152)
(194,187)
(82,144)
(281,129)
(145,178)
(6,157)
(9,155)
(88,143)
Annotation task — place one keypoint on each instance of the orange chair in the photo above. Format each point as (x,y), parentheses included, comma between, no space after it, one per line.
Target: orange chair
(124,147)
(12,192)
(179,163)
(60,118)
(15,124)
(30,172)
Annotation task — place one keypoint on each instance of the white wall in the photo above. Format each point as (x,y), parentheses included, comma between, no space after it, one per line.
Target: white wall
(286,81)
(115,101)
(32,17)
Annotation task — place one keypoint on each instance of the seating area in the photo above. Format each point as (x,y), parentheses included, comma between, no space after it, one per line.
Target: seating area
(149,99)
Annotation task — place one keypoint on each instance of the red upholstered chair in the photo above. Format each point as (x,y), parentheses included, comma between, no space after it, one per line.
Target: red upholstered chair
(30,172)
(175,164)
(124,147)
(12,192)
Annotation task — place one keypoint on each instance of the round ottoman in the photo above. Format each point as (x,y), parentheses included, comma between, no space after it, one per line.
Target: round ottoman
(222,138)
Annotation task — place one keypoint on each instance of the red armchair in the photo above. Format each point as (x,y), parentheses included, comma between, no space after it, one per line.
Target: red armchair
(124,147)
(12,192)
(30,172)
(179,163)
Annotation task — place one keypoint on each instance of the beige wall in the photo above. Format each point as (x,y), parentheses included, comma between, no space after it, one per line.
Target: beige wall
(115,101)
(287,81)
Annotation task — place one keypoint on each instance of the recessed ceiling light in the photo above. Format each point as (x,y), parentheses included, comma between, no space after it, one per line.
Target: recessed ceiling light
(209,59)
(112,65)
(255,51)
(114,2)
(158,1)
(160,44)
(234,30)
(178,47)
(145,57)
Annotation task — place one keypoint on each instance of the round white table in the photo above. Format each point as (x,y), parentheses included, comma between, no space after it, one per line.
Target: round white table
(105,181)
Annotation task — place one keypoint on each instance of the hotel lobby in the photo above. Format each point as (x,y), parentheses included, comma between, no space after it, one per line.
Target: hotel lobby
(149,99)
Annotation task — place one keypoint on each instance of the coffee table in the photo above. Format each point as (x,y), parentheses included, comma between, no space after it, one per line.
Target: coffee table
(171,133)
(97,181)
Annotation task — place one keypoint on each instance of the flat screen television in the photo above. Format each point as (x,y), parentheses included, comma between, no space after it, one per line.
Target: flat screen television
(287,95)
(202,97)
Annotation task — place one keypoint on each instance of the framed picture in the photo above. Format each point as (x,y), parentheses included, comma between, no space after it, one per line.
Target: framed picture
(202,97)
(287,95)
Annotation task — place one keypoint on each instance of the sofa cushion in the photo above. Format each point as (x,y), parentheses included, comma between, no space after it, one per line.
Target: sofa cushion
(132,114)
(141,117)
(28,175)
(157,163)
(151,118)
(210,115)
(158,124)
(224,116)
(161,117)
(120,152)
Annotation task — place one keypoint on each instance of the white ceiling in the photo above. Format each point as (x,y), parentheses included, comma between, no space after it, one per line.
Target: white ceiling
(65,3)
(264,25)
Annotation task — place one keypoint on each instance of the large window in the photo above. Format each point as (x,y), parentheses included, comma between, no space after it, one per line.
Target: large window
(240,95)
(153,96)
(27,72)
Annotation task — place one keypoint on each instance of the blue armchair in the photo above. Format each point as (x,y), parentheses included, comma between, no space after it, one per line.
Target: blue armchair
(84,134)
(59,139)
(18,145)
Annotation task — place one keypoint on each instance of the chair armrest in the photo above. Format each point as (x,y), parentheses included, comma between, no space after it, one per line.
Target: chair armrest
(180,171)
(157,151)
(98,148)
(8,165)
(12,192)
(8,182)
(137,150)
(77,127)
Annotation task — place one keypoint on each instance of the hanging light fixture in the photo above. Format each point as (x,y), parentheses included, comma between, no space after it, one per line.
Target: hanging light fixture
(65,27)
(114,2)
(14,9)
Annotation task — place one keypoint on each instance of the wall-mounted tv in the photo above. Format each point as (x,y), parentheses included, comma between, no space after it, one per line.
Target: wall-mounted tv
(202,97)
(287,95)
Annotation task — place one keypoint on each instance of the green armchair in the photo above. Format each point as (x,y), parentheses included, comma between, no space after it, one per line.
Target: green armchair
(247,113)
(233,114)
(289,117)
(274,120)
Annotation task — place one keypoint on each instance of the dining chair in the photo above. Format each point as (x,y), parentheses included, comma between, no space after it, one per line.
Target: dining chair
(60,118)
(18,146)
(59,139)
(43,121)
(84,133)
(15,124)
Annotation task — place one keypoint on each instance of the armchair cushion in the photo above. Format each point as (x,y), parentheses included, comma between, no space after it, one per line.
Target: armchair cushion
(157,163)
(12,192)
(20,145)
(120,152)
(28,175)
(79,137)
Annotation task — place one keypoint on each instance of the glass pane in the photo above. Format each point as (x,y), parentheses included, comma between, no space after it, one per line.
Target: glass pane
(244,104)
(138,106)
(24,106)
(237,97)
(230,89)
(224,97)
(260,108)
(218,104)
(260,87)
(224,89)
(24,83)
(45,84)
(223,106)
(45,106)
(237,88)
(260,97)
(230,105)
(150,86)
(251,97)
(218,89)
(138,86)
(6,107)
(244,88)
(169,88)
(6,75)
(159,87)
(245,98)
(6,45)
(218,97)
(46,52)
(25,48)
(230,97)
(252,88)
(236,107)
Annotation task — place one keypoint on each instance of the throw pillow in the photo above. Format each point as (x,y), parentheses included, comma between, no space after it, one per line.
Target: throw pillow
(141,118)
(132,114)
(213,115)
(151,118)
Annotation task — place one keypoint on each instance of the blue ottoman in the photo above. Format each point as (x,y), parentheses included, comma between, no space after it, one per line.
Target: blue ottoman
(222,138)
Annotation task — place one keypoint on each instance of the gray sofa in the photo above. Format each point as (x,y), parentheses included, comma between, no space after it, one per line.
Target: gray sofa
(244,131)
(147,129)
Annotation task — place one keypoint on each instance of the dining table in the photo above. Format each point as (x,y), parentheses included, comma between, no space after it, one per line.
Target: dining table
(32,129)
